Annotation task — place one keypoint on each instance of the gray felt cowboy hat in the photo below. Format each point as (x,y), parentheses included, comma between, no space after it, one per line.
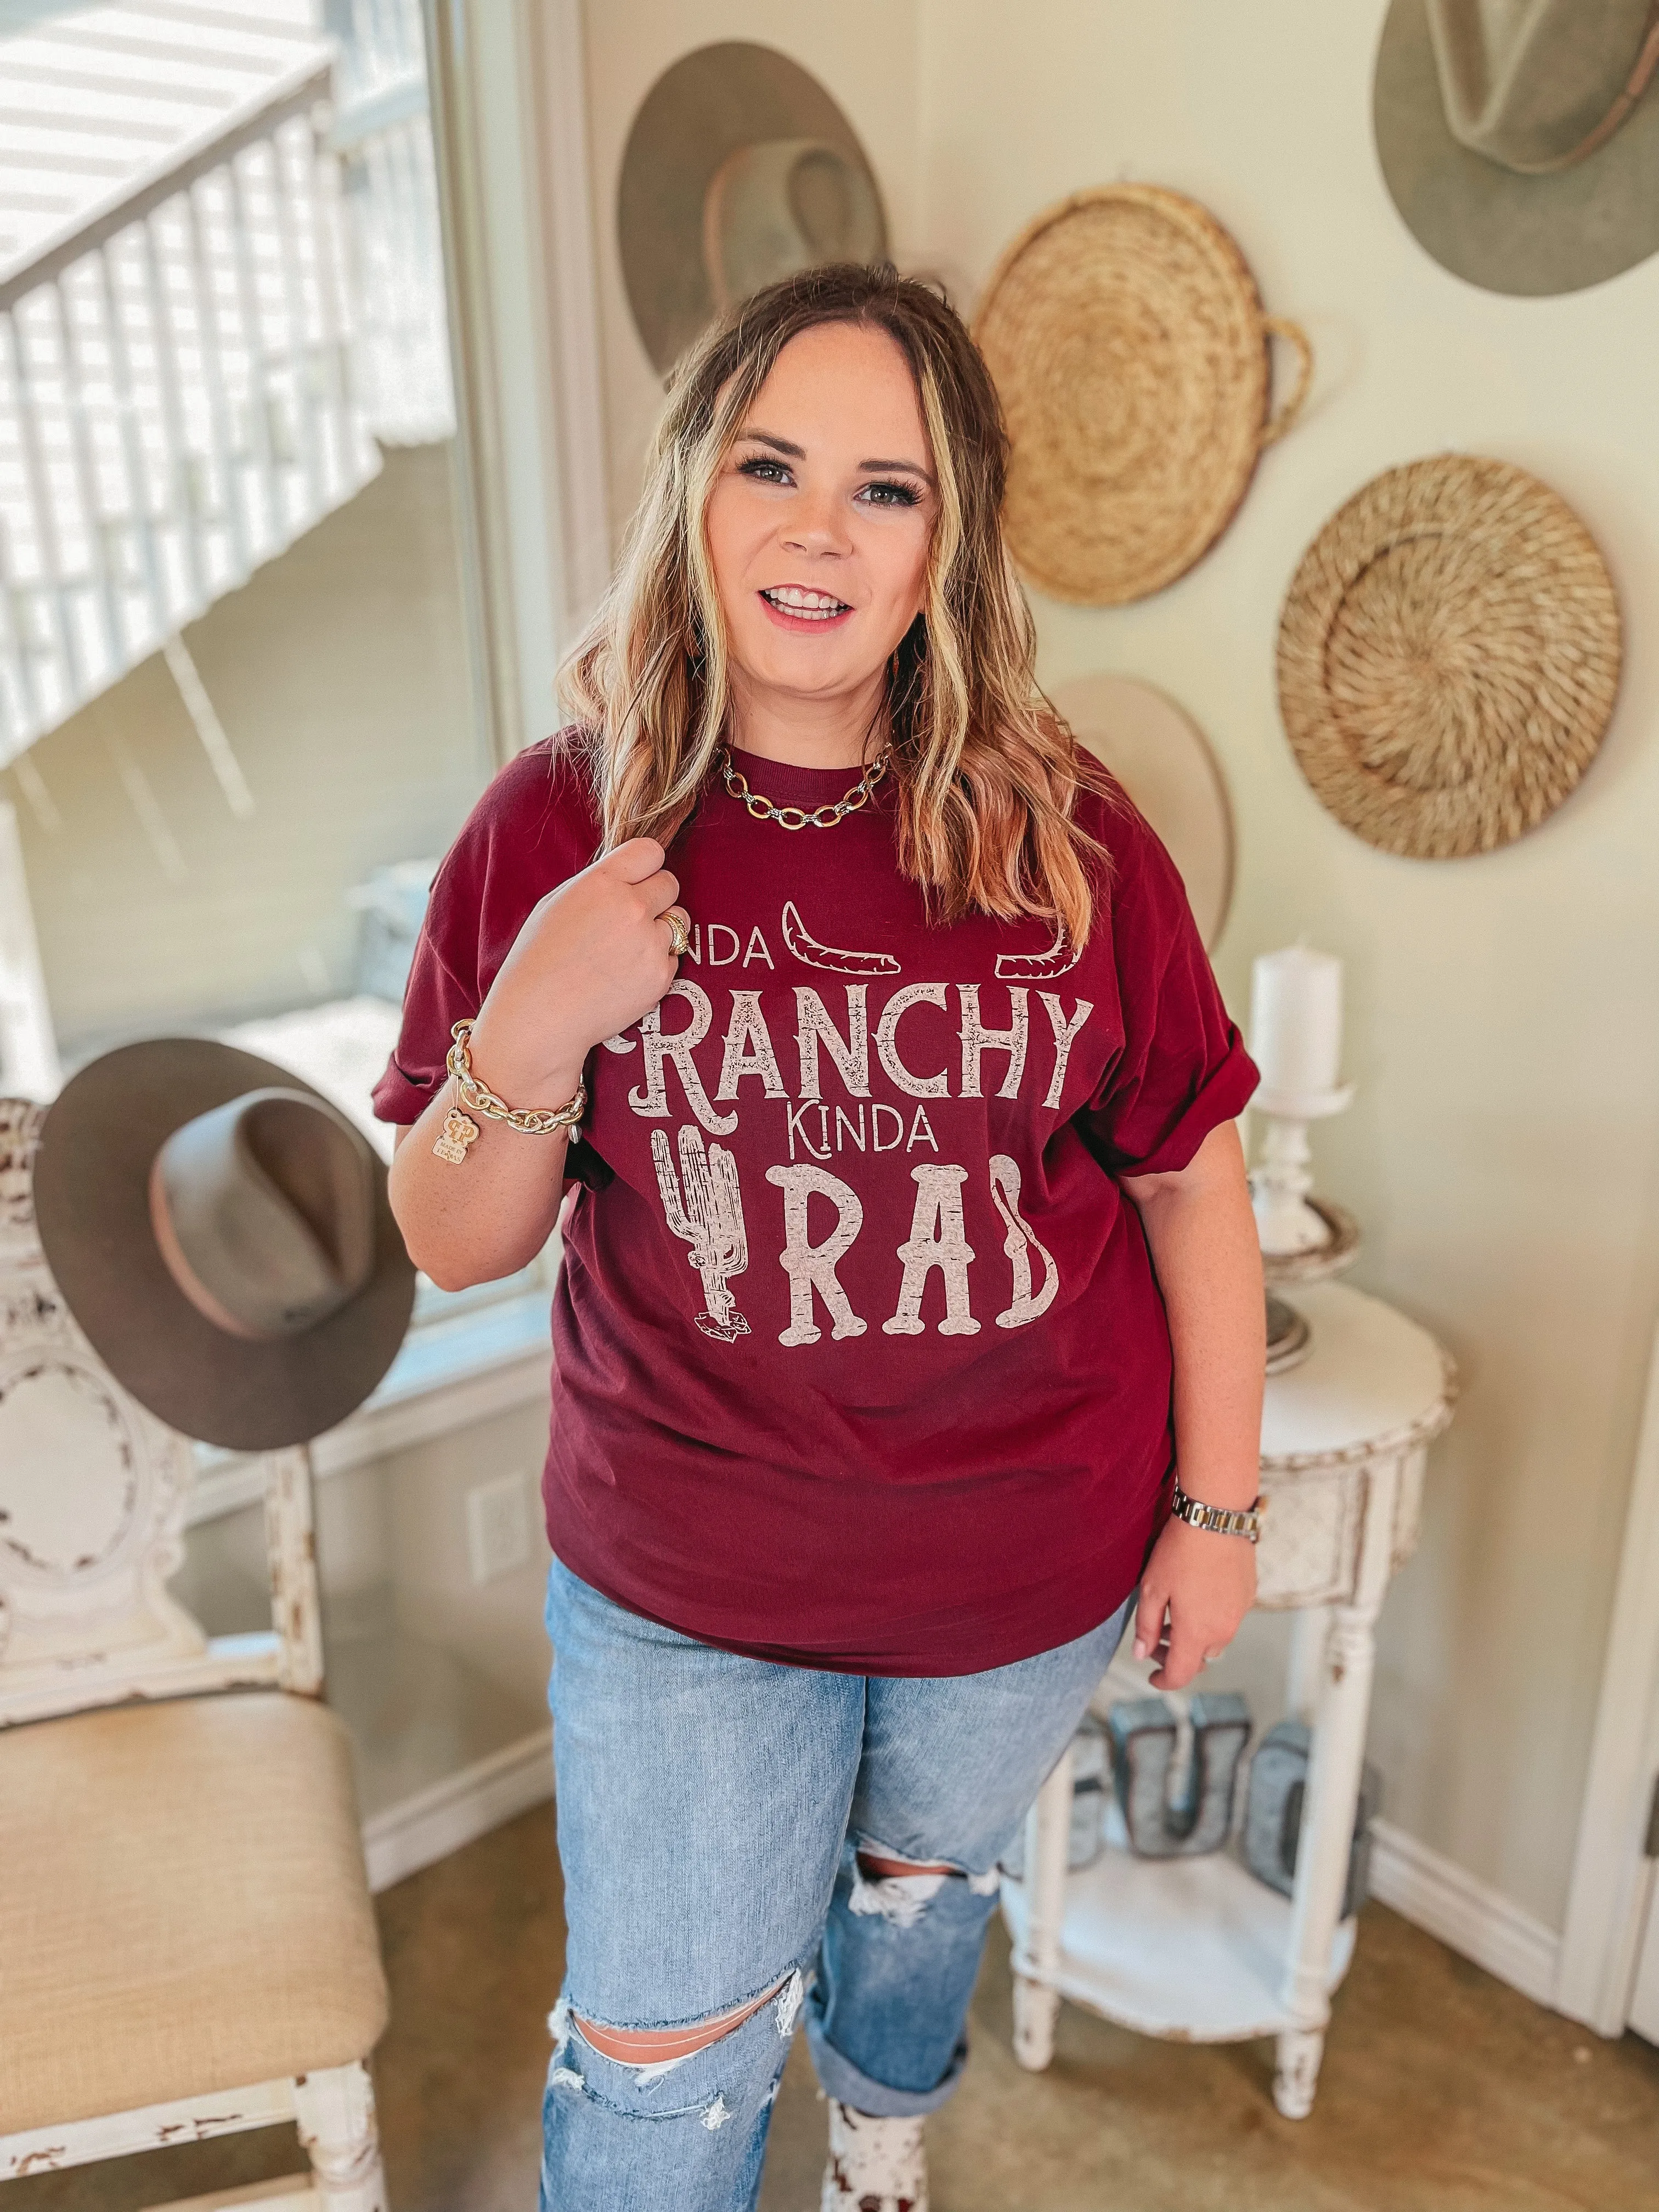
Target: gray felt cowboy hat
(1520,139)
(739,169)
(223,1235)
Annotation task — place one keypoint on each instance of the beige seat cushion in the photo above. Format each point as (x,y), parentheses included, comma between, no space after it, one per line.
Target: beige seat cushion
(182,1906)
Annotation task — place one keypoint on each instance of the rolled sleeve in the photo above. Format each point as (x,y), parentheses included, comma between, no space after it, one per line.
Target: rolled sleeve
(433,1001)
(1183,1070)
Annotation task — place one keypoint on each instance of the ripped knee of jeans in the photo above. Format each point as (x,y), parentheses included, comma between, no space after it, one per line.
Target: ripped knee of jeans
(890,1886)
(646,2056)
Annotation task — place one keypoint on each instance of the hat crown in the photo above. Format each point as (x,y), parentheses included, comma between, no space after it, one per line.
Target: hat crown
(1535,85)
(779,205)
(263,1211)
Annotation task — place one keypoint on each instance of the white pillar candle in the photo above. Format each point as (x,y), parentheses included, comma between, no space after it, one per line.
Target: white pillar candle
(1296,1020)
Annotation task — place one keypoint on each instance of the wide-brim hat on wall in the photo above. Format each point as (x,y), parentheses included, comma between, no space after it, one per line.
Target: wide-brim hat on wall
(739,169)
(1164,761)
(1449,657)
(1520,141)
(224,1236)
(1128,344)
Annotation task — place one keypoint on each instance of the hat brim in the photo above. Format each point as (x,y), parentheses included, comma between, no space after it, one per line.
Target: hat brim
(698,113)
(1164,761)
(1531,237)
(91,1212)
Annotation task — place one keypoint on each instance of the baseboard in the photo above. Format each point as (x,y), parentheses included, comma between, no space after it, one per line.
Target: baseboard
(1463,1912)
(405,1837)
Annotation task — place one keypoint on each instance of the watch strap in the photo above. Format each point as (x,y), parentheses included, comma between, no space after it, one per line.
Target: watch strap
(1219,1519)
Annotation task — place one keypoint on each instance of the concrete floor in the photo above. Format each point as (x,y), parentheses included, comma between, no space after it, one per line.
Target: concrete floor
(1442,2090)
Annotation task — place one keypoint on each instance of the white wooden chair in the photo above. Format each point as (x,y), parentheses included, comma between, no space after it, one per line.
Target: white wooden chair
(187,1945)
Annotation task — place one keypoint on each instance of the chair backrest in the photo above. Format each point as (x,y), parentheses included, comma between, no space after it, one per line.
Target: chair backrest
(92,1491)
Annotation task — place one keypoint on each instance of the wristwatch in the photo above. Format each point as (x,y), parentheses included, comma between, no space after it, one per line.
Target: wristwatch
(1216,1518)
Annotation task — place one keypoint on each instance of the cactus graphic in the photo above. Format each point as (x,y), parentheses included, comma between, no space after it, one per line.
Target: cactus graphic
(709,1217)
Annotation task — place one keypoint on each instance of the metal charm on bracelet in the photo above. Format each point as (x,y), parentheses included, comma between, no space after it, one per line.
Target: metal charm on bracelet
(459,1130)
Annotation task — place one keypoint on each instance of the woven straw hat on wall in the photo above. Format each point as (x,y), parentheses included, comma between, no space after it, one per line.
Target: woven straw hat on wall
(1449,656)
(1126,339)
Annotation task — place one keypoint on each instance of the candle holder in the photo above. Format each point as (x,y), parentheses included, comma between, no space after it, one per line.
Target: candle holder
(1303,1238)
(1294,1228)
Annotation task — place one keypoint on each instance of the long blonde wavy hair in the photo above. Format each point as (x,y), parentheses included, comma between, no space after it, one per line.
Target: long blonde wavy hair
(986,774)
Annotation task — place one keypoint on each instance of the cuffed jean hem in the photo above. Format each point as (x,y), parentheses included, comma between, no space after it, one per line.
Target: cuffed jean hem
(849,2085)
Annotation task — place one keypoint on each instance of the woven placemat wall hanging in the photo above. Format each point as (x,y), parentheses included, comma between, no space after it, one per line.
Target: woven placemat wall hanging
(1449,656)
(1128,343)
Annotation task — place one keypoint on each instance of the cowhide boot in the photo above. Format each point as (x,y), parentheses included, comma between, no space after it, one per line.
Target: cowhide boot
(875,2165)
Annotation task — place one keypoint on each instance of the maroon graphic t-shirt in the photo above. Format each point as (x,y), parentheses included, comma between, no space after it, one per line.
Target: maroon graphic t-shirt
(859,1358)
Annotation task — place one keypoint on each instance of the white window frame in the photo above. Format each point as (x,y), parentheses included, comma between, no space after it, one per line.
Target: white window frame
(509,124)
(507,87)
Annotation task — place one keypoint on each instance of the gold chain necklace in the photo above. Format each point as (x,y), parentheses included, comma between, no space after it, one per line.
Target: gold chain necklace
(798,817)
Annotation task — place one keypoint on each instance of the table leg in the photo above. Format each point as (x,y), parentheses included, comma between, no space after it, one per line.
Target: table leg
(1036,2001)
(1333,1792)
(1310,1631)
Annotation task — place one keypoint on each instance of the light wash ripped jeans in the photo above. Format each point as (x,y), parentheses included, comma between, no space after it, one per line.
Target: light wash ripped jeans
(709,1809)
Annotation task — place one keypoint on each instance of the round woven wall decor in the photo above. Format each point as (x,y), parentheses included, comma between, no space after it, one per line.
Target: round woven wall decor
(1448,657)
(1126,339)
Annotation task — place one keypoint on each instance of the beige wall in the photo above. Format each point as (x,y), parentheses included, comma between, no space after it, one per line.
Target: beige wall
(1503,1151)
(430,1670)
(496,1625)
(339,673)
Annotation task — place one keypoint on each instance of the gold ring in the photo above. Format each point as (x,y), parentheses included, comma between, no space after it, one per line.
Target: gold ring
(679,933)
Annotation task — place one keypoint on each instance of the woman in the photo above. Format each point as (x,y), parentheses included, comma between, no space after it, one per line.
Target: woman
(910,1245)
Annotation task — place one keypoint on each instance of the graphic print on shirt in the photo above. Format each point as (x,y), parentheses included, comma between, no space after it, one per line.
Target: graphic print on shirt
(812,1266)
(810,954)
(937,1239)
(1018,1246)
(1038,967)
(824,1214)
(708,1218)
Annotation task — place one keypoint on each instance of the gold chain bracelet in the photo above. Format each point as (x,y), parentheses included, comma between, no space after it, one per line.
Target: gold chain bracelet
(459,1130)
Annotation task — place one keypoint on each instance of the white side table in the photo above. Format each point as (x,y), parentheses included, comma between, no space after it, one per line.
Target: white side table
(1197,1948)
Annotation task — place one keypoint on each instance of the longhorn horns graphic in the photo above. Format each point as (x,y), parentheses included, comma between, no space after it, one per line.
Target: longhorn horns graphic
(1037,967)
(808,950)
(1011,967)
